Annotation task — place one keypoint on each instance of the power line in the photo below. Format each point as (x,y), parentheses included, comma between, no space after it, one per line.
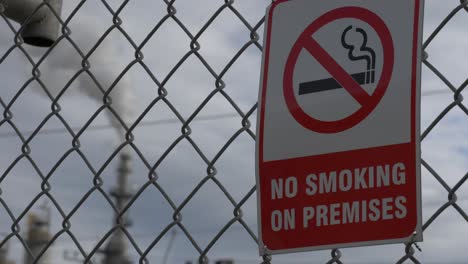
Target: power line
(108,126)
(162,121)
(436,92)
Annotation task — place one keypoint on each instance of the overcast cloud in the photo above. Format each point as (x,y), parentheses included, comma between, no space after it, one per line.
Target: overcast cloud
(445,149)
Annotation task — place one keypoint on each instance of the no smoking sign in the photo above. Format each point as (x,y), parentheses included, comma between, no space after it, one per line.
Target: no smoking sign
(338,125)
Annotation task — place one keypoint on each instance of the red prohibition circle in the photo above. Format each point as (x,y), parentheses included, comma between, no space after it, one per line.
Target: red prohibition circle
(368,103)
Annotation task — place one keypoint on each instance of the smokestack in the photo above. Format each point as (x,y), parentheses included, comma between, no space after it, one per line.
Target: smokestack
(40,26)
(37,238)
(116,250)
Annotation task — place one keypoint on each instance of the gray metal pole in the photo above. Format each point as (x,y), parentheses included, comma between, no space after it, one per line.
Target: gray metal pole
(116,250)
(40,24)
(169,246)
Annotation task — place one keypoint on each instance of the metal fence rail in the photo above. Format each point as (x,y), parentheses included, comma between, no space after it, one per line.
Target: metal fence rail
(122,200)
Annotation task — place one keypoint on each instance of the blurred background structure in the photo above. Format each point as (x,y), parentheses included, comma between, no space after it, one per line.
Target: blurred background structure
(4,256)
(38,238)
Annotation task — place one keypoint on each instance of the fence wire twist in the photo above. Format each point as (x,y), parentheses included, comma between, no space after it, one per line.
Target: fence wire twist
(66,35)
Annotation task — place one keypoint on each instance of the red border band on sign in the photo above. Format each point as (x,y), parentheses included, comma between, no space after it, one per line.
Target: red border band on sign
(368,103)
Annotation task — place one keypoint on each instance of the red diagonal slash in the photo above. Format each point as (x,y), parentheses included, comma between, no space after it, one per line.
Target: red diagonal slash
(336,71)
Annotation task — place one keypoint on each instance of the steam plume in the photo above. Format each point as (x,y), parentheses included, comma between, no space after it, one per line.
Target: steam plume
(65,61)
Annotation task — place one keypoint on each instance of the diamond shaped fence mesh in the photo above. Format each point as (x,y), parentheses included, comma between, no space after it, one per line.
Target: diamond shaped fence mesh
(131,137)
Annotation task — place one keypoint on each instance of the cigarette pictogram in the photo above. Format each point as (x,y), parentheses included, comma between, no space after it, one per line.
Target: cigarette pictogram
(362,78)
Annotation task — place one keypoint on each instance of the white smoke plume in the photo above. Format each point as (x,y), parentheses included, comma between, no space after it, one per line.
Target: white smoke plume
(106,65)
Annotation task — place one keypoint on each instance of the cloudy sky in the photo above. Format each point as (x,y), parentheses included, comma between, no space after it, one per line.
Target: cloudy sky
(445,148)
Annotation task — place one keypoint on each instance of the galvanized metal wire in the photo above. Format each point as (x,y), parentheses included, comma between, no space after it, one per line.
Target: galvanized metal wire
(220,88)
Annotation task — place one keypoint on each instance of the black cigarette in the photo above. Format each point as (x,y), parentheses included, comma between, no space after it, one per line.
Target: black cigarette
(329,84)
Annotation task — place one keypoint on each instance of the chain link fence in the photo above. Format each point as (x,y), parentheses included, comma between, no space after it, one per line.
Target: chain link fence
(186,135)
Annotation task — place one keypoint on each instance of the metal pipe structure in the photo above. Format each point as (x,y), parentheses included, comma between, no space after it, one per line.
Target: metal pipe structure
(40,25)
(116,250)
